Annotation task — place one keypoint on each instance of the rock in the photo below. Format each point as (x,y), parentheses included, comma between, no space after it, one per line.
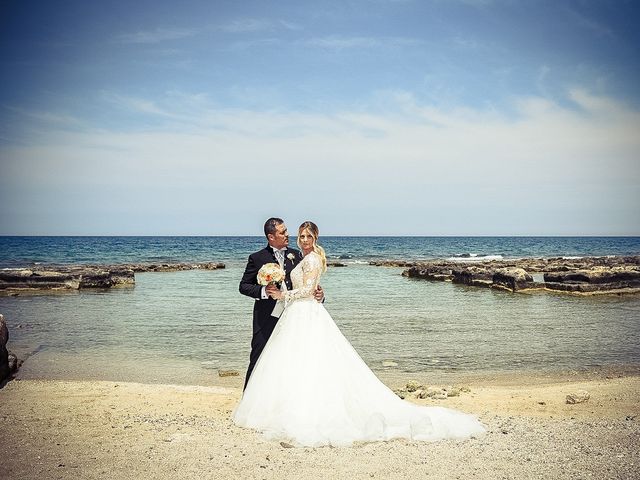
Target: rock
(412,386)
(228,373)
(597,275)
(171,267)
(453,392)
(96,279)
(62,278)
(432,273)
(391,263)
(588,275)
(578,397)
(13,362)
(4,354)
(389,363)
(122,277)
(593,289)
(436,393)
(4,332)
(596,279)
(76,277)
(336,264)
(20,279)
(473,276)
(401,392)
(512,278)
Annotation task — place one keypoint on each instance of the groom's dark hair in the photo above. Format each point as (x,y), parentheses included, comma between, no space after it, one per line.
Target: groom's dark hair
(271,224)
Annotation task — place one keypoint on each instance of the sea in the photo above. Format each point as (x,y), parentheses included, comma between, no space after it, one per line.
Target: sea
(185,327)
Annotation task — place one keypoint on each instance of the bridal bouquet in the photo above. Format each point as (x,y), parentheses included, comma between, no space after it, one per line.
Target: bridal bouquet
(270,273)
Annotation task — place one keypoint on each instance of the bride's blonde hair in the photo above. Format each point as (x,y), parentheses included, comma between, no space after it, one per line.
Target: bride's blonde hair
(312,228)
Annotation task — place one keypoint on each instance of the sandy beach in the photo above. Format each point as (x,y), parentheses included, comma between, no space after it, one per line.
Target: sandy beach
(55,429)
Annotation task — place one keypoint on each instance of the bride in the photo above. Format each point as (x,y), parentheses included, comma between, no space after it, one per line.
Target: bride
(311,388)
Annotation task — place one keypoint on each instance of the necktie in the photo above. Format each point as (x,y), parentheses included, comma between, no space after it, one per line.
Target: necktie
(280,257)
(279,307)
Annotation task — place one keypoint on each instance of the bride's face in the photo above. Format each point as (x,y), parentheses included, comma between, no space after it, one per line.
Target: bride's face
(306,240)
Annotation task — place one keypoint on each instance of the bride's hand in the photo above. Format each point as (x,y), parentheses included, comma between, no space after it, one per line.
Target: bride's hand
(319,294)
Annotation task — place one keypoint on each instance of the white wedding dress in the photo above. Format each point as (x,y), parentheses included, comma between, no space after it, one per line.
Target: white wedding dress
(310,387)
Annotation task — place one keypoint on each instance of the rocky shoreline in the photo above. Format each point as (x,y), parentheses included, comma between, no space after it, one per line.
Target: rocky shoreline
(9,362)
(78,277)
(585,276)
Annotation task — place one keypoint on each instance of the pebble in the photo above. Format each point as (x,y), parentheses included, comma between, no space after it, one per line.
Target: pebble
(412,386)
(578,397)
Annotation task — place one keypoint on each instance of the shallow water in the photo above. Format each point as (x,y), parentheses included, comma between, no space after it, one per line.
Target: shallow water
(181,327)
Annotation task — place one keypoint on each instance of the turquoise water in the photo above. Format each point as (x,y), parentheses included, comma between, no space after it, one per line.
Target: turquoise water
(181,327)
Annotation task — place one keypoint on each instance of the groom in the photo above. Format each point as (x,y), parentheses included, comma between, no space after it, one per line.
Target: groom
(276,251)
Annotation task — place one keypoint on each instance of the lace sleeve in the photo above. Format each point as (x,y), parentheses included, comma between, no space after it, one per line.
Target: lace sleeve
(311,270)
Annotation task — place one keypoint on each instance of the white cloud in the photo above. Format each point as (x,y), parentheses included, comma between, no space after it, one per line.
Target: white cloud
(244,25)
(240,25)
(256,42)
(546,164)
(339,42)
(291,25)
(477,3)
(56,120)
(135,104)
(590,24)
(156,36)
(543,74)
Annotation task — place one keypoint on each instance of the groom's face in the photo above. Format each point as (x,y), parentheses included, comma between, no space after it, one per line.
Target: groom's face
(279,239)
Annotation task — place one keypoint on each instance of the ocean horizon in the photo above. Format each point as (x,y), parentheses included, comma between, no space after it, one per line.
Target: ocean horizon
(23,250)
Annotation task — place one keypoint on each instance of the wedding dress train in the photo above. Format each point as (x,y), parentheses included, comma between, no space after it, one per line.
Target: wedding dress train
(311,388)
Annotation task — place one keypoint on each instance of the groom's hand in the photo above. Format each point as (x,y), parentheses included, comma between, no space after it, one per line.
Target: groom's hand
(272,291)
(319,294)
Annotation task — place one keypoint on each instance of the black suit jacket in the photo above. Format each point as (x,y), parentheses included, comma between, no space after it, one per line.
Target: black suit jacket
(249,284)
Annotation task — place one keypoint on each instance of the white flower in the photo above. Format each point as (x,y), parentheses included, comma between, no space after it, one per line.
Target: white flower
(291,256)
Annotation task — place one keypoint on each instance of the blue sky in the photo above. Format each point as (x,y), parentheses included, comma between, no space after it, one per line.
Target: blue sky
(433,117)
